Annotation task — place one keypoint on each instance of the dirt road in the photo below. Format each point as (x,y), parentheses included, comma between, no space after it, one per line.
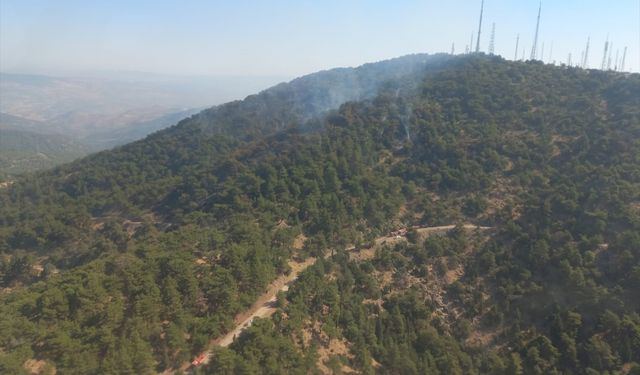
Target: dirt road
(265,305)
(444,228)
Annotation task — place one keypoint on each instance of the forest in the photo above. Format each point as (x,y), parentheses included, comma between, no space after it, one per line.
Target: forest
(139,256)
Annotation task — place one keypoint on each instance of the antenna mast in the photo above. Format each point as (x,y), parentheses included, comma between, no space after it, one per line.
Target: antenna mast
(492,44)
(515,57)
(609,59)
(624,58)
(604,56)
(534,49)
(480,27)
(471,43)
(586,54)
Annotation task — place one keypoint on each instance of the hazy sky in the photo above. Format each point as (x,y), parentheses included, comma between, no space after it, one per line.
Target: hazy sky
(294,37)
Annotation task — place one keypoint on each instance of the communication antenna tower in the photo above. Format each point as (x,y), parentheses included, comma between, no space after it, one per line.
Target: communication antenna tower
(534,48)
(471,43)
(604,55)
(585,61)
(480,27)
(515,56)
(624,59)
(492,43)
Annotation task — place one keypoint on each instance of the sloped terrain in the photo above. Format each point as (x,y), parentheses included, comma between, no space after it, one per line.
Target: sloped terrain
(24,151)
(160,243)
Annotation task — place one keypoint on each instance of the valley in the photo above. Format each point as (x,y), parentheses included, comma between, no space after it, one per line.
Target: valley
(49,120)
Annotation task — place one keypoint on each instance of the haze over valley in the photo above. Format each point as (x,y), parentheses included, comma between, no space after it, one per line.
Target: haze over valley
(46,120)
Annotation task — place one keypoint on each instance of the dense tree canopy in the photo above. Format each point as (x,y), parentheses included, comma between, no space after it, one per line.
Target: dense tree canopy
(138,256)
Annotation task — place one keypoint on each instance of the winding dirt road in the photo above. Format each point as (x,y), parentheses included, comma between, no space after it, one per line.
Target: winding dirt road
(265,305)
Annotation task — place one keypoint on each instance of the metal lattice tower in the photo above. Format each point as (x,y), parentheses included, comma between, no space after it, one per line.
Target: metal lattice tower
(609,58)
(615,64)
(492,43)
(453,48)
(515,57)
(542,52)
(585,61)
(551,54)
(604,55)
(471,43)
(480,27)
(534,48)
(624,59)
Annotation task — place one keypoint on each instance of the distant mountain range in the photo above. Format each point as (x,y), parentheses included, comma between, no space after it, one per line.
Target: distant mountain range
(97,113)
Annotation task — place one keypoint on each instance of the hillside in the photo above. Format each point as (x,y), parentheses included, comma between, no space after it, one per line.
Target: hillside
(11,122)
(26,151)
(28,145)
(147,177)
(72,116)
(139,256)
(107,139)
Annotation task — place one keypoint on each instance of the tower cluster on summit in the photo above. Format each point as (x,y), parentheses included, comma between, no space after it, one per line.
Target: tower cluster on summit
(609,60)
